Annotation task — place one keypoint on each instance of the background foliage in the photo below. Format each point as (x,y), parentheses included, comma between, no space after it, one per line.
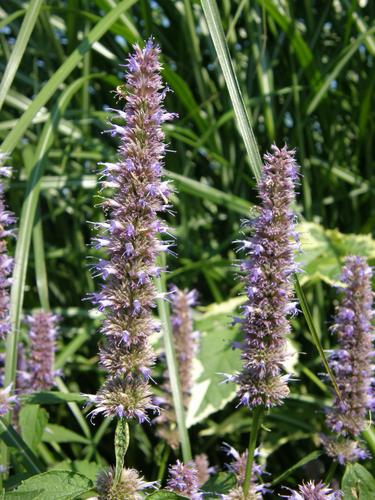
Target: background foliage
(306,72)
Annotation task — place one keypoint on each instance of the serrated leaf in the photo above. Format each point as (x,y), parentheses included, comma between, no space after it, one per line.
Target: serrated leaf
(84,467)
(165,495)
(58,434)
(52,485)
(53,398)
(215,358)
(32,421)
(358,483)
(323,251)
(220,483)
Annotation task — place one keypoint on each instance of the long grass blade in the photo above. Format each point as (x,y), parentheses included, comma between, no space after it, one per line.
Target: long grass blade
(19,48)
(212,15)
(62,73)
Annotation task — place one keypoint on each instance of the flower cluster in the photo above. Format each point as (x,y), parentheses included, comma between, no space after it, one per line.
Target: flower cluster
(183,479)
(6,400)
(130,237)
(130,485)
(204,470)
(42,334)
(238,467)
(313,491)
(351,362)
(6,262)
(267,275)
(185,341)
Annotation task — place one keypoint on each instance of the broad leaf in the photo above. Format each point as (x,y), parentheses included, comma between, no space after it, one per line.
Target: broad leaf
(165,495)
(52,485)
(323,251)
(84,467)
(220,483)
(358,483)
(58,434)
(32,421)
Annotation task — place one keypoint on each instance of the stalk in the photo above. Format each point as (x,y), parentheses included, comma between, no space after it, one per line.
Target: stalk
(257,422)
(164,314)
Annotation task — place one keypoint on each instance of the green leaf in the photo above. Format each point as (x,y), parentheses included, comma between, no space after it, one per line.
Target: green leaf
(53,485)
(84,467)
(358,483)
(323,251)
(12,439)
(32,421)
(220,483)
(57,434)
(52,398)
(215,358)
(165,495)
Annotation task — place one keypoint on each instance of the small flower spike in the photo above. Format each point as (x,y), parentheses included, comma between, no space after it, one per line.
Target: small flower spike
(351,362)
(267,275)
(130,239)
(42,334)
(183,479)
(185,341)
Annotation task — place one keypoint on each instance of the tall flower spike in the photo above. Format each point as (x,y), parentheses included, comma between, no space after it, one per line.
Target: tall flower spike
(42,334)
(351,362)
(130,237)
(313,491)
(6,262)
(267,275)
(185,341)
(183,479)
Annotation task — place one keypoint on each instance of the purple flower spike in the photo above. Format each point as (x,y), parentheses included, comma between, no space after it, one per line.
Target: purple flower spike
(130,238)
(267,275)
(6,262)
(183,479)
(351,362)
(313,491)
(185,341)
(42,334)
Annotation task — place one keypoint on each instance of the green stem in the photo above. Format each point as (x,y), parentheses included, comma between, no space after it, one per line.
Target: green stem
(172,365)
(163,462)
(330,473)
(257,422)
(369,436)
(314,333)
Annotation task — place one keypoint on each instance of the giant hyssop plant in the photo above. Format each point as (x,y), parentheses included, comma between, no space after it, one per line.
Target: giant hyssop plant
(260,394)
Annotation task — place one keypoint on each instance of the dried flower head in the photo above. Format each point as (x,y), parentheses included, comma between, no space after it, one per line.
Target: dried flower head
(313,491)
(42,334)
(351,362)
(130,237)
(183,479)
(267,275)
(129,486)
(185,341)
(6,262)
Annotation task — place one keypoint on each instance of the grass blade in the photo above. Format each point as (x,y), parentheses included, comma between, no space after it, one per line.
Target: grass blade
(62,73)
(212,15)
(19,48)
